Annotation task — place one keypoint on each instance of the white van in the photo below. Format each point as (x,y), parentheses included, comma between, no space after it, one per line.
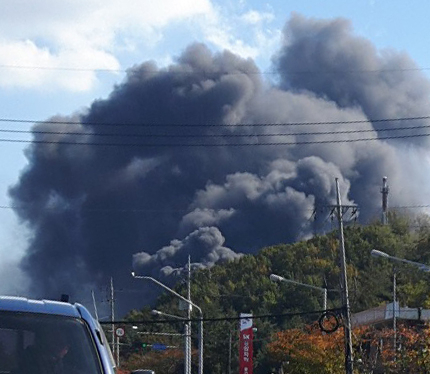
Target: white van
(46,336)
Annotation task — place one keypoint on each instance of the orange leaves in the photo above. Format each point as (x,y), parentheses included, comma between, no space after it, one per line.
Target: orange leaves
(310,350)
(412,348)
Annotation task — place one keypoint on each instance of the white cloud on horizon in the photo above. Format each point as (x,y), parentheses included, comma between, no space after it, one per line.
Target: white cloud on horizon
(67,42)
(78,34)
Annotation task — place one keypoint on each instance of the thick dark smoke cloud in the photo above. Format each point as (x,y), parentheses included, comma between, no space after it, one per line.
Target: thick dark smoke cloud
(99,211)
(350,71)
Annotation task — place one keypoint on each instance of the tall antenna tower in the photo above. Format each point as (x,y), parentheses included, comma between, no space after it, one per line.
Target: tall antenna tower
(384,191)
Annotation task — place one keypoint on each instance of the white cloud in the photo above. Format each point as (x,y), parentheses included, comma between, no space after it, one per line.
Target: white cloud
(66,41)
(51,69)
(225,40)
(53,34)
(246,34)
(254,17)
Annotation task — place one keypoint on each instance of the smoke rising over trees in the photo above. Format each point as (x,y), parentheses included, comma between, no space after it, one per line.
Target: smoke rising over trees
(179,172)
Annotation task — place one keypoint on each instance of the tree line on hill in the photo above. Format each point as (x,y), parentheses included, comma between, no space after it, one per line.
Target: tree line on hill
(286,336)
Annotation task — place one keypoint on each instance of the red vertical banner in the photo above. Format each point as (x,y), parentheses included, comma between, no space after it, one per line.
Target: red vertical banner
(245,344)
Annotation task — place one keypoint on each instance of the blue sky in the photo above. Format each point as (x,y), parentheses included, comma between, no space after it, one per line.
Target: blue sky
(56,57)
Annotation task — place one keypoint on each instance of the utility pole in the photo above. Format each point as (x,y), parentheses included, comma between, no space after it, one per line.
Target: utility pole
(112,313)
(187,368)
(115,346)
(95,305)
(384,190)
(229,352)
(117,351)
(344,288)
(188,324)
(395,311)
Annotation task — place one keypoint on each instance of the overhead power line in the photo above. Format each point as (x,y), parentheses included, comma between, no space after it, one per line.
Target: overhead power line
(163,70)
(410,206)
(213,145)
(94,210)
(219,319)
(107,211)
(208,124)
(60,68)
(150,210)
(151,135)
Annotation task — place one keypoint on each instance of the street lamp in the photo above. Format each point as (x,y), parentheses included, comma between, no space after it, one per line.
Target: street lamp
(187,349)
(422,267)
(156,312)
(188,302)
(278,278)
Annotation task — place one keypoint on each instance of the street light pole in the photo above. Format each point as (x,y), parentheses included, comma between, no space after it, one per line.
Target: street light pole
(156,312)
(229,352)
(278,278)
(187,301)
(420,266)
(394,311)
(187,348)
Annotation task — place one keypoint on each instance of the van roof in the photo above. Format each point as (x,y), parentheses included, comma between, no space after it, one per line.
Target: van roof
(22,304)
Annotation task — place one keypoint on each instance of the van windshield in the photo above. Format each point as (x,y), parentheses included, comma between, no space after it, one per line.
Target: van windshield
(42,343)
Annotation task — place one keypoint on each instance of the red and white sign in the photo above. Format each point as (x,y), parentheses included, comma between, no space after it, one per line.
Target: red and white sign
(245,344)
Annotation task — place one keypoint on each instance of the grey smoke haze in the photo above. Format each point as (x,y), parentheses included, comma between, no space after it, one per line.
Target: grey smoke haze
(96,211)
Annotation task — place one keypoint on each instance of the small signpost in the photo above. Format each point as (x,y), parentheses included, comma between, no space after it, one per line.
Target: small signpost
(119,332)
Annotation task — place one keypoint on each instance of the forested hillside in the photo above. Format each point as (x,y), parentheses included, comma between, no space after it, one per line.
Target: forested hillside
(243,285)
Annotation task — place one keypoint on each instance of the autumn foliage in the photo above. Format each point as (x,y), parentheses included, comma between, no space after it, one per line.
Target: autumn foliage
(309,350)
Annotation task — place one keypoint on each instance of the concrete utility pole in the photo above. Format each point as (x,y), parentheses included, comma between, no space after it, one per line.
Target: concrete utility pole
(344,288)
(394,311)
(188,324)
(384,190)
(112,313)
(187,349)
(95,305)
(229,352)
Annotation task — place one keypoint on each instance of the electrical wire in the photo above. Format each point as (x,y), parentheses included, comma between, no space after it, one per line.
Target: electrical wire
(219,319)
(208,124)
(215,145)
(27,206)
(143,210)
(410,207)
(59,68)
(210,135)
(247,72)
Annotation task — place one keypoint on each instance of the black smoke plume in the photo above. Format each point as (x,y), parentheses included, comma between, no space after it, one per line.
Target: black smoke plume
(168,166)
